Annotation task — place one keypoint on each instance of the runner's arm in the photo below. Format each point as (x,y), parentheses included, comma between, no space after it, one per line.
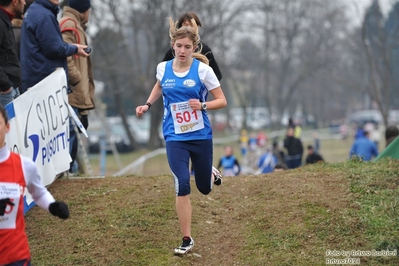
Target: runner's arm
(40,194)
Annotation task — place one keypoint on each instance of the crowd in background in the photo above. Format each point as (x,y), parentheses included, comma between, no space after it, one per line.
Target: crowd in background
(261,155)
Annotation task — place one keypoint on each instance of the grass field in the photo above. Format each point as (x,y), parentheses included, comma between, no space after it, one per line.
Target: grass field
(285,218)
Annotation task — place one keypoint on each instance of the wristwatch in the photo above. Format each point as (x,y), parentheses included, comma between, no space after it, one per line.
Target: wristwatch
(203,106)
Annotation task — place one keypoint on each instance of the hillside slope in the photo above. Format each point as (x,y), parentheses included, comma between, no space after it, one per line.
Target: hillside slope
(284,218)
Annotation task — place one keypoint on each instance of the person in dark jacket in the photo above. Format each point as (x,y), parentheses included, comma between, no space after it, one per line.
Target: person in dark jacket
(294,149)
(42,47)
(313,156)
(10,71)
(184,20)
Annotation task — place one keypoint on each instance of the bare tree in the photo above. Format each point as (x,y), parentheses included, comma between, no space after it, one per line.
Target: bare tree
(375,45)
(295,39)
(109,60)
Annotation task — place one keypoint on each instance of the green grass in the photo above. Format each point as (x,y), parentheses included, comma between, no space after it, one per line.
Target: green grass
(369,221)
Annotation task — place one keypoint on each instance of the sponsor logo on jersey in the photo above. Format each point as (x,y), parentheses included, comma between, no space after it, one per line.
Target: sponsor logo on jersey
(169,83)
(189,83)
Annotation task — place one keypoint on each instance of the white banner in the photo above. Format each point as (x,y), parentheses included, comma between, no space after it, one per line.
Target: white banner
(39,126)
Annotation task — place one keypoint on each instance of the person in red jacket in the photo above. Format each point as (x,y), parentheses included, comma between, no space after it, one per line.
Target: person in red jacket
(18,173)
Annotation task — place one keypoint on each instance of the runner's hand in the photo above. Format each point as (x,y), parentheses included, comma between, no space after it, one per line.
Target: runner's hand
(140,110)
(59,209)
(194,104)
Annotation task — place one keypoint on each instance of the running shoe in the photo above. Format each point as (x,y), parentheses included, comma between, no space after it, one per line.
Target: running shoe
(218,176)
(186,246)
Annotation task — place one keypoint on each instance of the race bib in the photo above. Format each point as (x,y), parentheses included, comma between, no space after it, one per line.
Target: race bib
(13,192)
(186,119)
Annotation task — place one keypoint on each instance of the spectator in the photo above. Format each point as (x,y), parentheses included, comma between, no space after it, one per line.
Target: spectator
(80,75)
(294,149)
(369,127)
(252,142)
(229,163)
(359,131)
(185,20)
(17,26)
(42,47)
(19,173)
(244,139)
(316,141)
(279,154)
(391,132)
(297,128)
(363,148)
(375,135)
(266,163)
(10,70)
(313,156)
(261,139)
(343,130)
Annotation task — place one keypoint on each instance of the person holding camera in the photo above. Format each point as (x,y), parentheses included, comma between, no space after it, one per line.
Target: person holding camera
(80,75)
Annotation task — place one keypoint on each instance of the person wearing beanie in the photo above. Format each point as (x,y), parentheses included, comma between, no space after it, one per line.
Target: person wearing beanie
(80,5)
(80,75)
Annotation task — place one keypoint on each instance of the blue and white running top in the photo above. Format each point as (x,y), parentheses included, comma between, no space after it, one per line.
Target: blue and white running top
(180,122)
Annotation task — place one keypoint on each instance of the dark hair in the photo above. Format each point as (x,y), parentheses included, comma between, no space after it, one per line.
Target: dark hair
(5,2)
(27,4)
(391,132)
(187,17)
(3,113)
(310,147)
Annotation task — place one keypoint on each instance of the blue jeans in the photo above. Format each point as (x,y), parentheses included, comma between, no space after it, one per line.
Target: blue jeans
(73,141)
(9,97)
(293,161)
